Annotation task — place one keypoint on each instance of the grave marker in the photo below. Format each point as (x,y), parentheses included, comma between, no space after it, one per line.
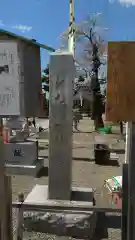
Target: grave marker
(62,73)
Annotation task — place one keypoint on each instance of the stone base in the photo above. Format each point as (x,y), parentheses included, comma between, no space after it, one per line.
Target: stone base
(74,224)
(39,194)
(21,153)
(29,170)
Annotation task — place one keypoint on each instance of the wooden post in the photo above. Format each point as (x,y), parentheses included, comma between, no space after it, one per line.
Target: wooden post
(3,227)
(62,74)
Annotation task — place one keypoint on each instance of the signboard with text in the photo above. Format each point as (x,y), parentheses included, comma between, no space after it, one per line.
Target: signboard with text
(9,79)
(120,105)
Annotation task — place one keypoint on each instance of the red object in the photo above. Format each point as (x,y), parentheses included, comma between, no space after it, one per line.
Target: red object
(5,135)
(116,199)
(1,131)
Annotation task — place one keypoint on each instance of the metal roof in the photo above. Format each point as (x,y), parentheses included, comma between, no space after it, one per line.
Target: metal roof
(32,41)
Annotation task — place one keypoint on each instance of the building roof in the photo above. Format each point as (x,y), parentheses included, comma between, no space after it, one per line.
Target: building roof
(32,41)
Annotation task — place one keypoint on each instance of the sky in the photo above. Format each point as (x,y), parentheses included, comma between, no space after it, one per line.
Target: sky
(45,20)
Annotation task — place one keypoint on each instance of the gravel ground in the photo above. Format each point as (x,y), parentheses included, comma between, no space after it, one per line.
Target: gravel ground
(85,171)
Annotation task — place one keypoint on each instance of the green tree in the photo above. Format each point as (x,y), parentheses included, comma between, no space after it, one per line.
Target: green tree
(90,49)
(45,78)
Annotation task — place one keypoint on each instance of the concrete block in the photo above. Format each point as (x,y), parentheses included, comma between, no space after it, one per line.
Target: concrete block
(29,170)
(24,153)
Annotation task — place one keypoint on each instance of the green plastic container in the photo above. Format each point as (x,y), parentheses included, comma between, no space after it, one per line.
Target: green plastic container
(106,130)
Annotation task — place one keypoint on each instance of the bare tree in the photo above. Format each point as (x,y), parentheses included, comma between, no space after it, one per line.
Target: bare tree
(90,49)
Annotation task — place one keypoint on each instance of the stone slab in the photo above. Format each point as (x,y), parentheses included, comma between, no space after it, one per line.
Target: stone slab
(29,170)
(79,225)
(62,224)
(21,152)
(39,194)
(62,73)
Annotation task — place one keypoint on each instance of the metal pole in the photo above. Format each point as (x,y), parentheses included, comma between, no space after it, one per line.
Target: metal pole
(71,34)
(20,218)
(131,181)
(127,147)
(3,227)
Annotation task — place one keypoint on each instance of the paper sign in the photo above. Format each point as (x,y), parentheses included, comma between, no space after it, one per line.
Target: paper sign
(9,79)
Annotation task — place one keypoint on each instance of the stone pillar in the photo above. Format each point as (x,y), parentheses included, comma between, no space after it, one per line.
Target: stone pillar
(62,74)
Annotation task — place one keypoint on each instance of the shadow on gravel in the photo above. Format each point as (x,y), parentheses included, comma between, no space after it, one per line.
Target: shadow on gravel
(83,159)
(113,222)
(42,173)
(118,151)
(79,147)
(113,163)
(77,159)
(104,223)
(82,131)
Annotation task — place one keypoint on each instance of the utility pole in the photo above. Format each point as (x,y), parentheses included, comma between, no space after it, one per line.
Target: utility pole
(71,33)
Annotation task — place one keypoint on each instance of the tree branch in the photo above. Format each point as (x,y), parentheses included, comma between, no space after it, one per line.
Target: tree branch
(90,38)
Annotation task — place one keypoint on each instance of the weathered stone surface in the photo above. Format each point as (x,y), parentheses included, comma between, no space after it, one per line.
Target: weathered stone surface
(61,224)
(62,74)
